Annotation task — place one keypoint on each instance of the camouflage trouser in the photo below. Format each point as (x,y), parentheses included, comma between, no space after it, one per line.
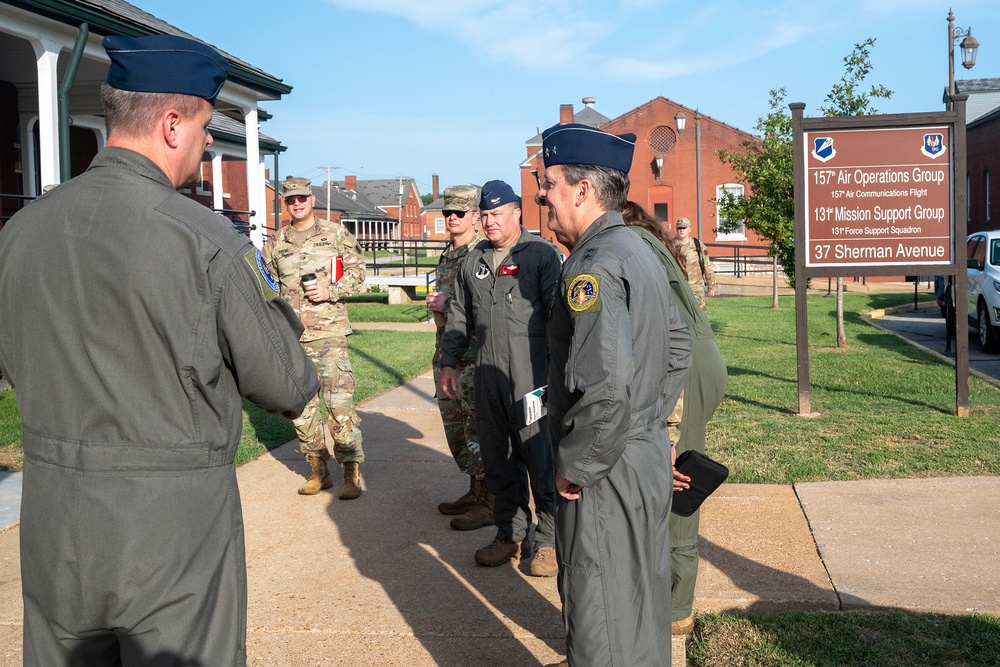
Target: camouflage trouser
(674,420)
(459,418)
(700,290)
(337,393)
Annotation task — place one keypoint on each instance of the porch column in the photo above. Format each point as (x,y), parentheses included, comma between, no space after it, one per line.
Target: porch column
(217,187)
(47,61)
(255,184)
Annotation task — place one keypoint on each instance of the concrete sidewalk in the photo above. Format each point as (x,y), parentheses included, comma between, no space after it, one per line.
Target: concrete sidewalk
(384,580)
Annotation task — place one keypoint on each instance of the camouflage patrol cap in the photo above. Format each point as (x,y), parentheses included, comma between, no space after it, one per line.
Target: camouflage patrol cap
(683,223)
(460,198)
(295,186)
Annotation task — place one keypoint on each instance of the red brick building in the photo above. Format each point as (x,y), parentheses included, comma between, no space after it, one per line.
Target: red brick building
(983,151)
(983,163)
(670,191)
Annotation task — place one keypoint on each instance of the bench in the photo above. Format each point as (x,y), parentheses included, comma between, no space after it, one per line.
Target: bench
(402,289)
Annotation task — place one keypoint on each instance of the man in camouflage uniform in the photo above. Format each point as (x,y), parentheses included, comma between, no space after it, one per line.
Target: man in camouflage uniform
(312,246)
(701,273)
(461,219)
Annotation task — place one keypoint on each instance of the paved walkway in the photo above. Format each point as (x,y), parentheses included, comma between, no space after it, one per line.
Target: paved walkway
(384,580)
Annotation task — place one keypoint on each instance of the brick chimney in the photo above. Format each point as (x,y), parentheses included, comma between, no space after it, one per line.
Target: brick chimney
(434,186)
(351,183)
(565,114)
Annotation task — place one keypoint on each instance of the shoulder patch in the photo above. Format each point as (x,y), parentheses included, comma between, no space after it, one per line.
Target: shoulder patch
(583,293)
(267,281)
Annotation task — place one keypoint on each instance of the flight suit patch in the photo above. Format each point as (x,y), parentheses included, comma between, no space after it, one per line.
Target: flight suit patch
(583,293)
(267,281)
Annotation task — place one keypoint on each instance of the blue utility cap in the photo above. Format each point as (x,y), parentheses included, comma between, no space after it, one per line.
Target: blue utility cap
(496,194)
(165,64)
(574,143)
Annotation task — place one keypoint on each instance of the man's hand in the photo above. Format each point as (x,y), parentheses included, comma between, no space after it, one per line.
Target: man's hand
(680,480)
(449,382)
(567,489)
(318,293)
(437,302)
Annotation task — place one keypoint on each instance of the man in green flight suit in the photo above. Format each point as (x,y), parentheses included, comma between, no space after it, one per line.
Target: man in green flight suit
(619,353)
(132,319)
(504,291)
(461,219)
(319,264)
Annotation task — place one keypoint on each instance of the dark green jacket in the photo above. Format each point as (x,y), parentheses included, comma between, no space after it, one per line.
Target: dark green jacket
(132,319)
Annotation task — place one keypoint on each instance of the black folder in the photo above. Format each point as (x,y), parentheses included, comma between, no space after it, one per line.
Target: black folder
(706,476)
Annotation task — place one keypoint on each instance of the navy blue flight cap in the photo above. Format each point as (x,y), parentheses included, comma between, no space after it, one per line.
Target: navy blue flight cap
(574,143)
(165,64)
(496,194)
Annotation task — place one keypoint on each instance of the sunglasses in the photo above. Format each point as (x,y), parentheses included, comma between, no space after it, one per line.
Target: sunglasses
(460,214)
(297,199)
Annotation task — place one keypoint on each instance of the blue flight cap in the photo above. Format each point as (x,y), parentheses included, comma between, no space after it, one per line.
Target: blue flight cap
(165,64)
(496,194)
(574,143)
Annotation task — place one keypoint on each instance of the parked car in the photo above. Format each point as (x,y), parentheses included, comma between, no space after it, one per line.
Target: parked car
(983,277)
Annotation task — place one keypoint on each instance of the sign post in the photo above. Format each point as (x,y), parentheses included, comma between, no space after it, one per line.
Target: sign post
(878,195)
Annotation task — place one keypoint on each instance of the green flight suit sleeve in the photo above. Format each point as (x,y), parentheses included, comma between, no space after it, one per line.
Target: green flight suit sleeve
(598,371)
(259,340)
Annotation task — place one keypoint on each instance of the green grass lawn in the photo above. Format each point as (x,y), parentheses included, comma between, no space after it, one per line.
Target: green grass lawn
(885,409)
(381,360)
(845,639)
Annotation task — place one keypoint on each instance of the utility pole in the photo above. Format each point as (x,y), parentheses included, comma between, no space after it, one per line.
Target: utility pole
(400,230)
(328,193)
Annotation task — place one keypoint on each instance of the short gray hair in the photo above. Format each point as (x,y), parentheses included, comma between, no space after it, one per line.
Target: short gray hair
(133,114)
(610,185)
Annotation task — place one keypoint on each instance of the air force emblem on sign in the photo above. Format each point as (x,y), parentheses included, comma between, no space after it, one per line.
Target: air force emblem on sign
(933,145)
(583,293)
(823,148)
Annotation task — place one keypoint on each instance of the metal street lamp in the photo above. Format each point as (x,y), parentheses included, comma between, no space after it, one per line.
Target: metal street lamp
(969,46)
(659,166)
(681,120)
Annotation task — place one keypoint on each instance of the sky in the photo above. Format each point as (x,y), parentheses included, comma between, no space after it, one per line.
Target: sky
(389,88)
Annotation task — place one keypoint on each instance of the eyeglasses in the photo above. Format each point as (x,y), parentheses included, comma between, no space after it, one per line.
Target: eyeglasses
(459,214)
(297,199)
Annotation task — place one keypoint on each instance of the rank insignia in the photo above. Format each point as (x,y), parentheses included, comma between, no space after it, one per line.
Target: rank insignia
(933,145)
(483,271)
(508,270)
(262,272)
(583,293)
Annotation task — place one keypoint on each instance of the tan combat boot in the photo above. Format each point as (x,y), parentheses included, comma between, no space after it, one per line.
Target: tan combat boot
(320,478)
(477,516)
(466,501)
(352,482)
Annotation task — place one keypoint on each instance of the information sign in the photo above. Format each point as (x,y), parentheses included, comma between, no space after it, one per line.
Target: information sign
(879,197)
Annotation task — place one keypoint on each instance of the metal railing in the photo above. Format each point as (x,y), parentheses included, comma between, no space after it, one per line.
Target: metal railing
(401,257)
(7,212)
(740,260)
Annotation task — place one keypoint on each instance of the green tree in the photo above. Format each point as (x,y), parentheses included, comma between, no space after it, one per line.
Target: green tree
(766,164)
(427,199)
(848,98)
